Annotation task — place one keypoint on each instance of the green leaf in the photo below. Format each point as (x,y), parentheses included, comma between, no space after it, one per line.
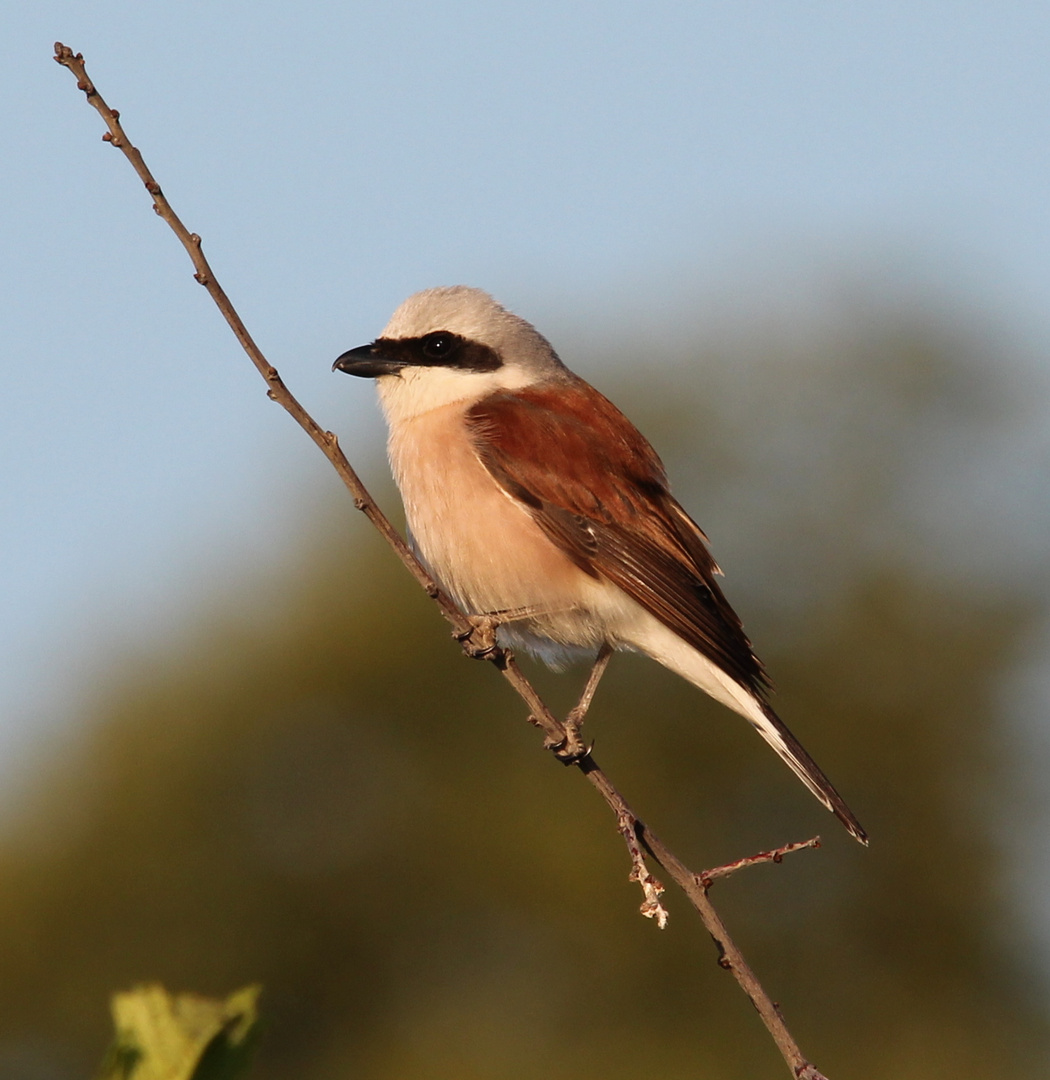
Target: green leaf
(161,1036)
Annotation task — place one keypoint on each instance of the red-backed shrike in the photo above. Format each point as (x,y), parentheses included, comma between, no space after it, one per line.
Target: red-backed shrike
(531,498)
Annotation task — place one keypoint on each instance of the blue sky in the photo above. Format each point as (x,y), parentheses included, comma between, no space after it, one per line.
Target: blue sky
(576,159)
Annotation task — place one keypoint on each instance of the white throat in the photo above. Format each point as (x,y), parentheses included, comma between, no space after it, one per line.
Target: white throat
(418,390)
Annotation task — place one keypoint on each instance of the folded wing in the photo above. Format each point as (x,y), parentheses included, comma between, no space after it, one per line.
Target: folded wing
(599,491)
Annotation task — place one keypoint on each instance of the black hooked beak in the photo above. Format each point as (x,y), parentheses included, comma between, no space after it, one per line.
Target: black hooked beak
(368,362)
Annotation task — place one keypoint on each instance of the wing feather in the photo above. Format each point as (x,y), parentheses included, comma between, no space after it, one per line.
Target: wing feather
(599,491)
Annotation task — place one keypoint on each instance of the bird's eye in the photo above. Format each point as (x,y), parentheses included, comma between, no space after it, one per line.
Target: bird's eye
(438,346)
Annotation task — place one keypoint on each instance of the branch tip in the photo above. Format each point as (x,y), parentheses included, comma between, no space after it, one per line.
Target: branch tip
(706,878)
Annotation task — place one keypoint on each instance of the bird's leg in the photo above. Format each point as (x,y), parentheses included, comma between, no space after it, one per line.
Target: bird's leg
(574,720)
(601,662)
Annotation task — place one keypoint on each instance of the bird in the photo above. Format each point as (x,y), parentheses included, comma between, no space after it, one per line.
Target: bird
(534,502)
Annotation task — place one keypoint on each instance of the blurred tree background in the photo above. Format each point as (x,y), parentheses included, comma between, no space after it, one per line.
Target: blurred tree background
(312,789)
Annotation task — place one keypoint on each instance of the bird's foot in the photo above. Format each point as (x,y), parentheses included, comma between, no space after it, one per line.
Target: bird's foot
(572,748)
(479,642)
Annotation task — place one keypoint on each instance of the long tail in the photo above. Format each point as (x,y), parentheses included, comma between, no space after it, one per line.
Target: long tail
(777,734)
(666,647)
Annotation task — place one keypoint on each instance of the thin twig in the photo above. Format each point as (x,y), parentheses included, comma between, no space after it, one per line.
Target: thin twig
(729,955)
(708,877)
(651,907)
(636,835)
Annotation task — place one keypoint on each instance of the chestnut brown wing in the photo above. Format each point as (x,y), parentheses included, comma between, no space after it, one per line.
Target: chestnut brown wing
(598,490)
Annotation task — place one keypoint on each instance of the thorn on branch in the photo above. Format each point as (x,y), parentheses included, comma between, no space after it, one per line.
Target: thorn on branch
(722,960)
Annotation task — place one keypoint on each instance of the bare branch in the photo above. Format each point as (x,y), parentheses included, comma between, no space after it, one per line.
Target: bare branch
(729,956)
(708,877)
(476,637)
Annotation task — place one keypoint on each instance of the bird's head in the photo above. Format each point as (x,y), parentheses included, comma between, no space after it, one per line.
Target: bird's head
(452,344)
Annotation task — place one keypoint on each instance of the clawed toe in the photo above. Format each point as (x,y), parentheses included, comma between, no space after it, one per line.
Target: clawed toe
(572,748)
(479,642)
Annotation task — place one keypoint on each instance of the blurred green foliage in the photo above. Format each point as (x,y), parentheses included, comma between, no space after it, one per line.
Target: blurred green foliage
(162,1036)
(313,791)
